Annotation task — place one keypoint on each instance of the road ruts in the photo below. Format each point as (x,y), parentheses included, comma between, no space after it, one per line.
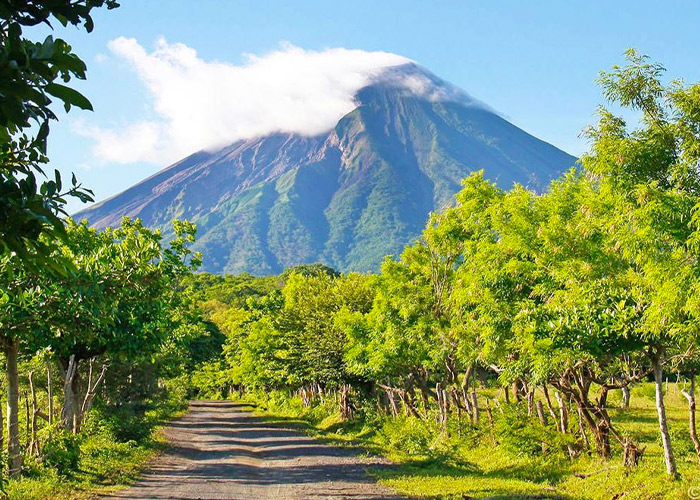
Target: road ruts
(220,451)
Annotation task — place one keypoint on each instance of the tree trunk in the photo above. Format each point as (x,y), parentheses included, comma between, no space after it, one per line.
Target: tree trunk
(392,402)
(582,429)
(49,389)
(543,421)
(90,394)
(70,396)
(669,459)
(13,443)
(625,398)
(489,413)
(564,422)
(517,391)
(690,396)
(2,435)
(27,419)
(475,408)
(33,441)
(530,402)
(550,407)
(345,405)
(465,389)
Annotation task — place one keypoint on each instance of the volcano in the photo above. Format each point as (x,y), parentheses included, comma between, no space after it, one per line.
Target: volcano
(347,197)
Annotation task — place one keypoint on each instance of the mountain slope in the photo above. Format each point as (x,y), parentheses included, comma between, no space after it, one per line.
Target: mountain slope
(346,198)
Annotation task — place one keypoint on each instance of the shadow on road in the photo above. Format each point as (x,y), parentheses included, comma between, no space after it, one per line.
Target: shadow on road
(221,451)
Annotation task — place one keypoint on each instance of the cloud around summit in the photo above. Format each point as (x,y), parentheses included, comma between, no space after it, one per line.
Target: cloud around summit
(202,104)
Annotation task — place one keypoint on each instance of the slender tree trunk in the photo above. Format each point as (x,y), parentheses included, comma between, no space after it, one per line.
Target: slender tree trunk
(33,442)
(422,382)
(690,396)
(543,421)
(13,443)
(564,421)
(345,406)
(49,389)
(582,429)
(489,413)
(70,401)
(465,389)
(392,402)
(475,408)
(446,403)
(625,398)
(563,413)
(669,459)
(441,406)
(550,407)
(27,420)
(517,391)
(90,394)
(2,434)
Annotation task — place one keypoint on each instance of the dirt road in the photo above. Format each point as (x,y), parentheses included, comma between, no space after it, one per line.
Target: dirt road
(221,451)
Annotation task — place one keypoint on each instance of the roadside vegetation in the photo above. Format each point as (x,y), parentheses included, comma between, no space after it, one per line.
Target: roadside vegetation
(97,336)
(527,343)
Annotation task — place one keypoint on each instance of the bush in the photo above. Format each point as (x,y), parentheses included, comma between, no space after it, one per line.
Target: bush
(523,435)
(61,451)
(417,438)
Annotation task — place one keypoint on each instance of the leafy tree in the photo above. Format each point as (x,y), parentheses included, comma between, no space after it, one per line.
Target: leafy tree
(651,173)
(30,73)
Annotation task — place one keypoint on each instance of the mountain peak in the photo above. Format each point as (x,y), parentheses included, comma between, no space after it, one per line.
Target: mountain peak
(411,79)
(346,197)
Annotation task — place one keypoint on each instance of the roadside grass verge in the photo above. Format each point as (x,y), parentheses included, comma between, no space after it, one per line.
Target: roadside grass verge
(468,463)
(109,454)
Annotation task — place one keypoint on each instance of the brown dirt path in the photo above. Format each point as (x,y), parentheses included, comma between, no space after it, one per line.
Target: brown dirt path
(220,451)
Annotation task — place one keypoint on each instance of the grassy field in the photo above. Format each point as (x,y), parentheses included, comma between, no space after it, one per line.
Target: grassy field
(478,466)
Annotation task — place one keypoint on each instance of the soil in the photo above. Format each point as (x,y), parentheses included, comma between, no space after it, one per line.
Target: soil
(220,450)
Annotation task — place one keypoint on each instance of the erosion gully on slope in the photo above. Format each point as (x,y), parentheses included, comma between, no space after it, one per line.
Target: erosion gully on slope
(221,451)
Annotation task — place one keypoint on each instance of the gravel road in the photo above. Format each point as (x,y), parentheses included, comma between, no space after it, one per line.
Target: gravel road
(221,451)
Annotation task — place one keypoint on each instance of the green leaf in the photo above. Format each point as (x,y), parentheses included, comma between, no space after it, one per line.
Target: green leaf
(69,96)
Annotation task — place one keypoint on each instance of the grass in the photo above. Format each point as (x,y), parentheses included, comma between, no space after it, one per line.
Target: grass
(106,467)
(430,465)
(106,464)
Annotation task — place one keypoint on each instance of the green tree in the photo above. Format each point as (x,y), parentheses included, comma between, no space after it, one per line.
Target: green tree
(32,76)
(650,172)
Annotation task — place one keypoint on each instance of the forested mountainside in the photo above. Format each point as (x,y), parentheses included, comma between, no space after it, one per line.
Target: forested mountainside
(346,198)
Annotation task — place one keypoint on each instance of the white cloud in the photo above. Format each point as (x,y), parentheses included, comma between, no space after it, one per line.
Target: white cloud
(205,104)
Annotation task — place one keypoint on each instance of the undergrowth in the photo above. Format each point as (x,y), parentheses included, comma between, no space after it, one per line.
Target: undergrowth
(111,450)
(503,460)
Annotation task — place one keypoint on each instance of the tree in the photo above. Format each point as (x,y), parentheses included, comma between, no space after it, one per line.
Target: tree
(30,73)
(650,174)
(121,300)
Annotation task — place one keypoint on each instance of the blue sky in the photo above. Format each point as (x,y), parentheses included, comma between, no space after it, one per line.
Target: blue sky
(534,62)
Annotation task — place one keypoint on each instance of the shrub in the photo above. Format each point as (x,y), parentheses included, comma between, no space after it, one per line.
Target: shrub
(523,435)
(61,451)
